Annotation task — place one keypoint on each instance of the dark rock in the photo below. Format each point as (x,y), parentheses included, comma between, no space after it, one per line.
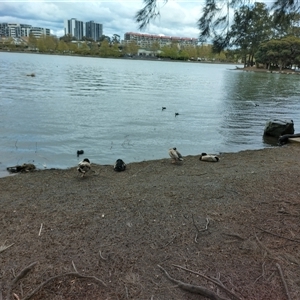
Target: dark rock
(278,128)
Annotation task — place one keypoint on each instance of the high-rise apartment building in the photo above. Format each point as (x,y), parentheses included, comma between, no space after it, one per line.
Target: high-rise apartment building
(93,30)
(75,28)
(79,29)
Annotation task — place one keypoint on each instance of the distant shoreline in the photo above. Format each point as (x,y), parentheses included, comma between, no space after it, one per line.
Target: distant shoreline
(148,58)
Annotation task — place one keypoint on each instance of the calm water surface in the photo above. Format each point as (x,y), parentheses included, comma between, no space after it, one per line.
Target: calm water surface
(113,109)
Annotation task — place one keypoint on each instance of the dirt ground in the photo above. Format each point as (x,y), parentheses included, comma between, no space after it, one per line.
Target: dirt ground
(233,225)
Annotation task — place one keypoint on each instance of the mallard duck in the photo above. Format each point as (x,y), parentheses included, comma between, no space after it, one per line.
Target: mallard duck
(84,166)
(208,157)
(175,155)
(119,165)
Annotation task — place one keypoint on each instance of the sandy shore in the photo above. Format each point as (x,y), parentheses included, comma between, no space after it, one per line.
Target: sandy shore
(106,235)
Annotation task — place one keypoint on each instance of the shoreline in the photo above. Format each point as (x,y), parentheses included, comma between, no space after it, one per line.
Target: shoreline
(5,173)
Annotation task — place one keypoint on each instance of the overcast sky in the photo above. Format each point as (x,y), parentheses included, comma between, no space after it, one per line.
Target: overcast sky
(178,18)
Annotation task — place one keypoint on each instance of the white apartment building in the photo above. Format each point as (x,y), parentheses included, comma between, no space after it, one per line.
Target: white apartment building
(147,40)
(16,30)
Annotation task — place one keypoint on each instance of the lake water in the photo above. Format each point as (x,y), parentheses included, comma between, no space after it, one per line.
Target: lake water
(112,108)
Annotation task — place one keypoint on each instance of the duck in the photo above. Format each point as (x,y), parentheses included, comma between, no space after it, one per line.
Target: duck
(163,108)
(84,166)
(119,165)
(175,155)
(79,152)
(208,157)
(176,114)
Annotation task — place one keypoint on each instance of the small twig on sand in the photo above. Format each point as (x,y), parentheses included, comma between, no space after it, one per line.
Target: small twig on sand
(199,230)
(167,244)
(216,282)
(263,272)
(41,229)
(264,247)
(235,235)
(74,267)
(102,256)
(284,282)
(16,296)
(3,247)
(193,288)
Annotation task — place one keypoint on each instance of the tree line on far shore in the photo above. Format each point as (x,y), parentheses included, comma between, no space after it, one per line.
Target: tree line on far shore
(256,36)
(110,47)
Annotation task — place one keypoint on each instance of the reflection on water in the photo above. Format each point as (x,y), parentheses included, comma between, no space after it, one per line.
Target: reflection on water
(112,108)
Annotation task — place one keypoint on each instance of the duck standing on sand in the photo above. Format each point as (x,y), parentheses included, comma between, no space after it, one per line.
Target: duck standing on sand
(208,157)
(84,166)
(175,155)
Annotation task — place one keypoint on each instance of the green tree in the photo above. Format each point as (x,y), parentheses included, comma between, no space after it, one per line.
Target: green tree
(251,26)
(114,50)
(170,51)
(32,41)
(155,47)
(214,20)
(51,43)
(94,48)
(130,48)
(104,50)
(279,52)
(62,46)
(67,38)
(115,39)
(72,47)
(41,45)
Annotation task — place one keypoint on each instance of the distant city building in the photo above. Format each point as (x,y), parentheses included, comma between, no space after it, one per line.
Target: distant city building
(93,30)
(147,40)
(79,29)
(74,28)
(38,31)
(16,30)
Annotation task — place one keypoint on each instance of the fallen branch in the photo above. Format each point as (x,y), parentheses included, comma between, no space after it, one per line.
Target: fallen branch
(75,274)
(193,288)
(280,236)
(28,268)
(284,282)
(218,283)
(18,277)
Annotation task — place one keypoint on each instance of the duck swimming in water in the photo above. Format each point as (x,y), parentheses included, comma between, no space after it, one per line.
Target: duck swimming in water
(84,166)
(208,157)
(175,155)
